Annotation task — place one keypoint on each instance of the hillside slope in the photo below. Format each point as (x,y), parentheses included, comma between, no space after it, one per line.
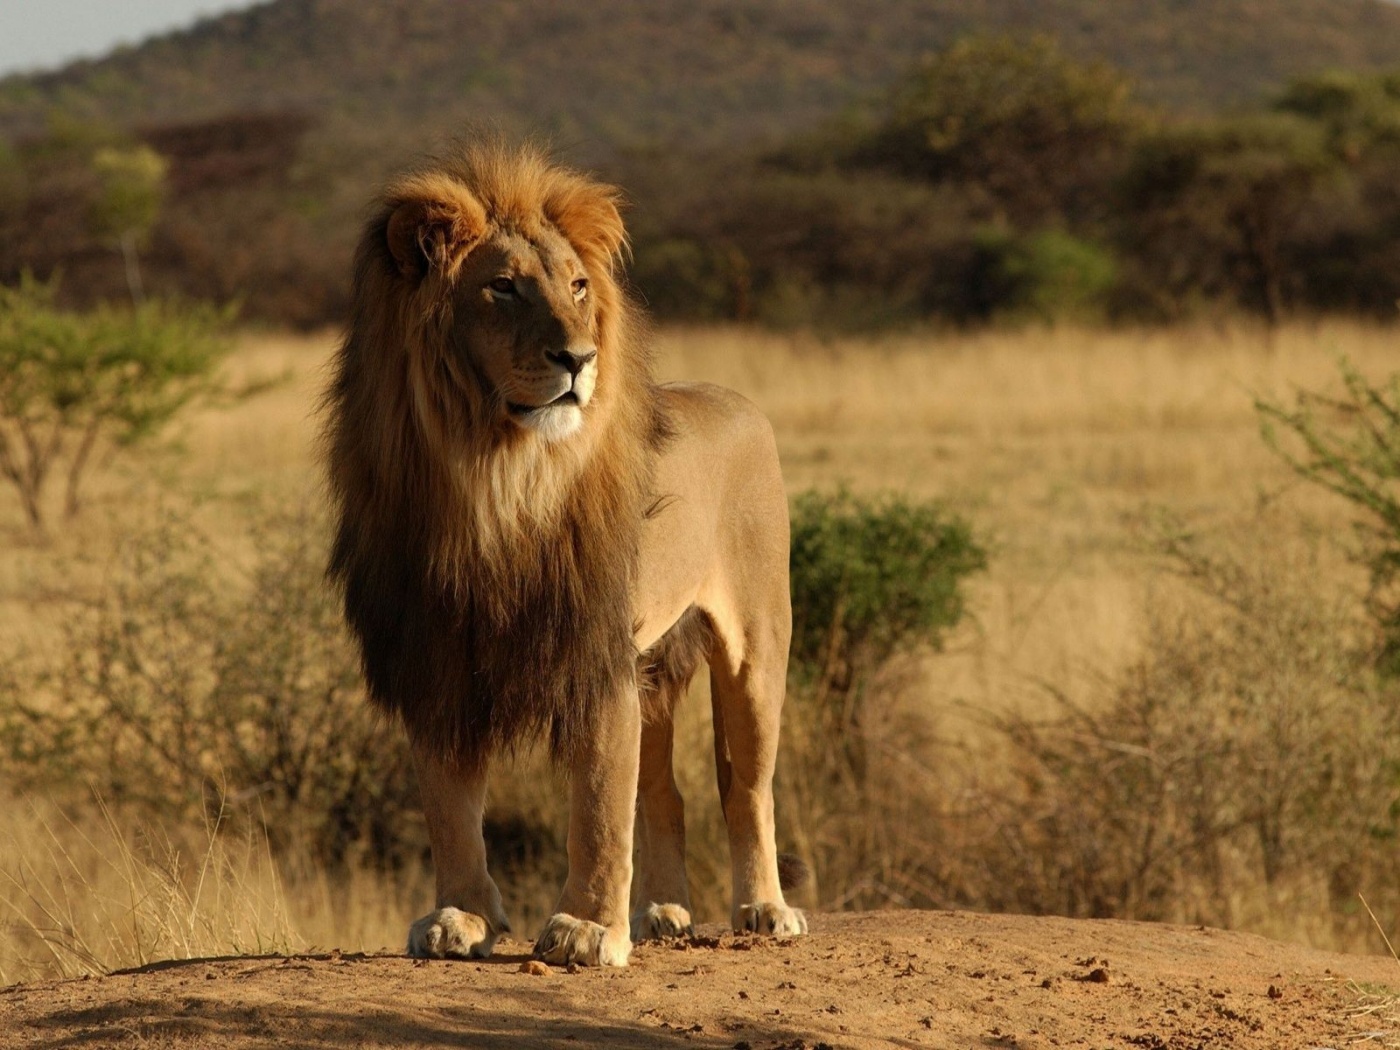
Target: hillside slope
(279,120)
(620,72)
(882,979)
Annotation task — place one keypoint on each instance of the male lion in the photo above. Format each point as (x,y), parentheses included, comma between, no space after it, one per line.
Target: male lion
(534,537)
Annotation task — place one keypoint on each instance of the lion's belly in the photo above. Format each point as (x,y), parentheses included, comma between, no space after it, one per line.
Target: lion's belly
(669,578)
(722,522)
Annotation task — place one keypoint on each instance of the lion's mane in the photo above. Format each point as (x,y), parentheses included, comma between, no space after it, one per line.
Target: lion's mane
(488,576)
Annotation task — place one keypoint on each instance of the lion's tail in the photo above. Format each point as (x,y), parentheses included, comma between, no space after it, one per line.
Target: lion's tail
(793,872)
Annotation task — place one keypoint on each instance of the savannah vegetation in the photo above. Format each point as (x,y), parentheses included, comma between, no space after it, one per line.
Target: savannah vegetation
(74,387)
(1093,477)
(1080,174)
(1134,663)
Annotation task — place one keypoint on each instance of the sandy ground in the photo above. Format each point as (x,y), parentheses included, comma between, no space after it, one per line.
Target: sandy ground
(907,979)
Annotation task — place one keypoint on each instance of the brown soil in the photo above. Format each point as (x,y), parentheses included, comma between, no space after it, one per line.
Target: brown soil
(908,979)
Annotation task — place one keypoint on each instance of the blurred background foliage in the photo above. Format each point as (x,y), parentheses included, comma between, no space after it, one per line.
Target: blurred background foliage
(919,165)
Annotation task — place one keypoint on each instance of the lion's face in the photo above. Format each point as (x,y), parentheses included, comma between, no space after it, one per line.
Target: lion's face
(524,324)
(526,264)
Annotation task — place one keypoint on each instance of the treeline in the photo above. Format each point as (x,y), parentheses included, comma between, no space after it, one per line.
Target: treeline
(231,210)
(1001,179)
(1004,179)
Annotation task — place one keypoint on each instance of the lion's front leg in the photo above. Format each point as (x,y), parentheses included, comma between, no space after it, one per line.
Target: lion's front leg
(590,924)
(468,916)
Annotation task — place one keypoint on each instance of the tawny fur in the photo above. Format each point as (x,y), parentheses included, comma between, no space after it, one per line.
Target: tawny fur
(534,539)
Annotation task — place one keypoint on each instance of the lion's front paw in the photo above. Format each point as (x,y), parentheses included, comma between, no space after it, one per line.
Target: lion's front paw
(660,920)
(776,919)
(565,939)
(451,932)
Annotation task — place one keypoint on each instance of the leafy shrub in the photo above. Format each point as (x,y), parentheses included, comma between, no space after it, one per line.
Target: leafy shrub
(1351,445)
(70,381)
(872,580)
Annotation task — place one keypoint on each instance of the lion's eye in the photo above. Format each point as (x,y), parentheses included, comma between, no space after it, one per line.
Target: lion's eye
(580,287)
(502,286)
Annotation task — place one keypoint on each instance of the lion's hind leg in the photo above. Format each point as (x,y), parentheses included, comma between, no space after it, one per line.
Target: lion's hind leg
(468,917)
(747,694)
(451,933)
(662,898)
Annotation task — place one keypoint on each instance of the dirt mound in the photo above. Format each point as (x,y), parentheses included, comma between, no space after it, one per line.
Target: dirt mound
(934,979)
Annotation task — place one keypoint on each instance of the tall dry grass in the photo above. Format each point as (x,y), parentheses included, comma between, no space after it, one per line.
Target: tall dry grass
(86,890)
(82,894)
(1061,446)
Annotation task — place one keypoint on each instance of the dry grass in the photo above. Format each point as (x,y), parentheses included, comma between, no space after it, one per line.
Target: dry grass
(1052,441)
(83,895)
(92,892)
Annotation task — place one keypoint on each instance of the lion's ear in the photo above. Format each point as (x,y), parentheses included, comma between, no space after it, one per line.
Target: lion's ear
(433,234)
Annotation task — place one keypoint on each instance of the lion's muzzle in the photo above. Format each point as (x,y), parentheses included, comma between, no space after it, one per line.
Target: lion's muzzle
(573,359)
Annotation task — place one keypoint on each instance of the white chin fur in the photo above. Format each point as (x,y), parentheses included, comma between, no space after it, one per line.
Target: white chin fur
(553,422)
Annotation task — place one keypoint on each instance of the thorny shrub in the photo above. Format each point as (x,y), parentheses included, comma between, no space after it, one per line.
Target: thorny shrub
(1350,444)
(192,684)
(1246,762)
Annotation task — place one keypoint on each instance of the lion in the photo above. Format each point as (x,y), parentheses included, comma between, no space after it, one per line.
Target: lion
(535,539)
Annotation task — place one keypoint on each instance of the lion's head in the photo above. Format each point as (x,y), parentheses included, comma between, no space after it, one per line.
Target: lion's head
(515,258)
(492,427)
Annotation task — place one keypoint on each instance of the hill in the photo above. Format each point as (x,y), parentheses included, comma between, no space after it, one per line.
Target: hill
(277,122)
(622,72)
(859,980)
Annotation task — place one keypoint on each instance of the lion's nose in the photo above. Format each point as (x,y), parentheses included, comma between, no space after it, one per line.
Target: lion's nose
(573,359)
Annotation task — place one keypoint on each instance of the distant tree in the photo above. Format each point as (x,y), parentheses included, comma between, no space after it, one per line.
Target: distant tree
(1037,132)
(1210,209)
(11,182)
(1358,111)
(131,185)
(70,381)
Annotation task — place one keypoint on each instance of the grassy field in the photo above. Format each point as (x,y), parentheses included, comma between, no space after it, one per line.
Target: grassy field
(1062,447)
(1056,444)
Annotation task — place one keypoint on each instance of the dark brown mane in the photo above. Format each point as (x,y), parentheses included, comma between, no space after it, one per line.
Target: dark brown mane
(489,580)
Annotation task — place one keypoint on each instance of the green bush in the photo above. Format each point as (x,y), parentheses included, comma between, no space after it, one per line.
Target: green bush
(873,577)
(69,382)
(872,580)
(1049,275)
